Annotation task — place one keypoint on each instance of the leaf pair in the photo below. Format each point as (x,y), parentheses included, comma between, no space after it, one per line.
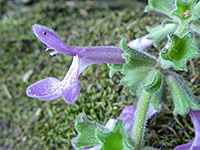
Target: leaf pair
(141,72)
(92,134)
(140,69)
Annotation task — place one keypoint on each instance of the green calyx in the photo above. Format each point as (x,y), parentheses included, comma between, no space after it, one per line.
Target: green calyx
(137,66)
(185,11)
(180,50)
(183,15)
(135,58)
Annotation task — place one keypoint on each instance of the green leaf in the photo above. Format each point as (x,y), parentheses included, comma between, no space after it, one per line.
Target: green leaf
(135,58)
(185,11)
(197,9)
(114,68)
(164,6)
(158,33)
(86,132)
(133,78)
(153,81)
(195,26)
(180,51)
(158,97)
(136,67)
(183,98)
(115,139)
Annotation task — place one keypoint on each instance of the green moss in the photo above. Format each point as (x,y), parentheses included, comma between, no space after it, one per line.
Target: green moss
(28,123)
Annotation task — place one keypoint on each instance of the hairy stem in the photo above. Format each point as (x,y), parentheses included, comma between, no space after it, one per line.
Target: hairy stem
(180,31)
(140,119)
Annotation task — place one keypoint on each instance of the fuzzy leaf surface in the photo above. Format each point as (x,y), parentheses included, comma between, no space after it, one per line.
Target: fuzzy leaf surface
(159,32)
(195,26)
(86,133)
(197,9)
(135,58)
(153,81)
(133,78)
(182,96)
(115,139)
(114,68)
(180,50)
(164,6)
(157,97)
(185,11)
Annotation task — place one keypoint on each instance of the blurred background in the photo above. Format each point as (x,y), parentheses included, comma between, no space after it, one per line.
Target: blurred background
(31,124)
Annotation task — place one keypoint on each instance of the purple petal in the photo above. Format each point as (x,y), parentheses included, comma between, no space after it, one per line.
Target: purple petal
(152,111)
(110,124)
(195,116)
(70,85)
(194,144)
(100,54)
(127,116)
(46,89)
(52,88)
(141,43)
(184,146)
(72,142)
(87,56)
(48,37)
(196,147)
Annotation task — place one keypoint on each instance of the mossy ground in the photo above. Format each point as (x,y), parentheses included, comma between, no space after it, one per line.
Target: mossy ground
(28,123)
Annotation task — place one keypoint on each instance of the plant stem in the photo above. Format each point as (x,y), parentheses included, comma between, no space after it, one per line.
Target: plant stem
(180,31)
(140,119)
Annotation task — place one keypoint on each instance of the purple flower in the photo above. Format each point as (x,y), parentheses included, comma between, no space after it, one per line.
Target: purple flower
(194,144)
(52,88)
(141,43)
(128,114)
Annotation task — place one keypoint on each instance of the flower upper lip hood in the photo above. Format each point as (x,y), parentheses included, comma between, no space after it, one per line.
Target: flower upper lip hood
(49,38)
(52,88)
